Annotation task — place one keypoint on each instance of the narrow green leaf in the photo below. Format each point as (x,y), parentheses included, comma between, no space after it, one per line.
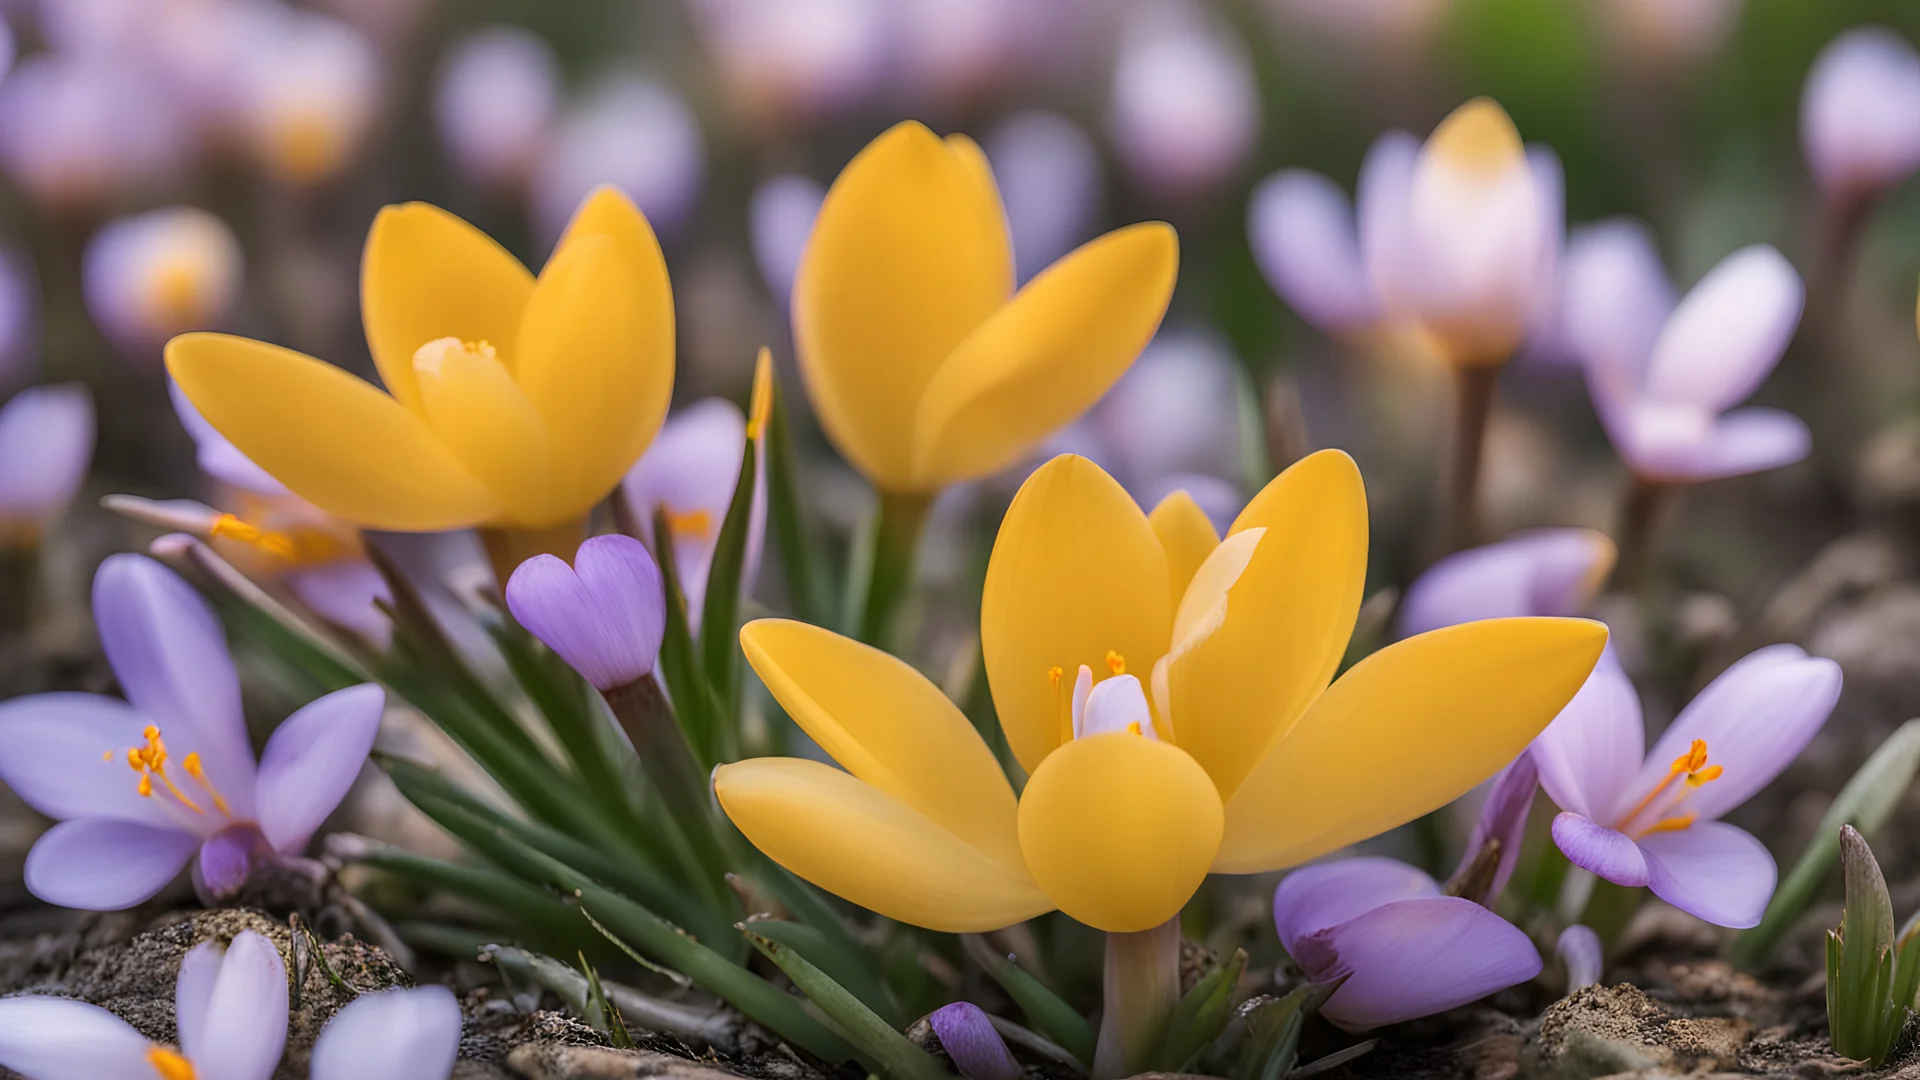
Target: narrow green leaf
(859,979)
(567,703)
(1862,1017)
(896,548)
(694,700)
(799,558)
(1045,1010)
(523,908)
(610,1020)
(1200,1016)
(1272,1041)
(880,1046)
(720,611)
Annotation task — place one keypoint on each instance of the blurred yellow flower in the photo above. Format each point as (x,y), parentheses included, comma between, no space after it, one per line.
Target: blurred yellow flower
(512,402)
(1234,755)
(924,365)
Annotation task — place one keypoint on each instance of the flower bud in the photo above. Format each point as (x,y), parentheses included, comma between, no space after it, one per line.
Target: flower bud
(165,272)
(968,1037)
(1860,113)
(605,615)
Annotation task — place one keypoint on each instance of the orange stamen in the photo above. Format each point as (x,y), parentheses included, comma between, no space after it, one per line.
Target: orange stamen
(1672,824)
(169,1064)
(1116,664)
(1691,765)
(233,528)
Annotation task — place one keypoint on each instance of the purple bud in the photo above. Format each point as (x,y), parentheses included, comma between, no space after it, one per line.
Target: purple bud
(1582,953)
(604,615)
(1495,844)
(782,218)
(968,1037)
(1860,113)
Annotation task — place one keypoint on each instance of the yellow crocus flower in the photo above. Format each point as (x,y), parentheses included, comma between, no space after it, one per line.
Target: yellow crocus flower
(1211,739)
(922,362)
(512,403)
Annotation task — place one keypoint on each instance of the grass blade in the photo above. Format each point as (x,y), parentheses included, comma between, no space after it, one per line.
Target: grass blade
(810,943)
(1045,1010)
(807,587)
(882,1048)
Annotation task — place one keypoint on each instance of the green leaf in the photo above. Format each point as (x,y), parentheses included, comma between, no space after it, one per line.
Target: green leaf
(1200,1016)
(598,1006)
(522,908)
(1045,1010)
(1866,803)
(1862,1017)
(1272,1042)
(694,700)
(879,1046)
(799,558)
(896,547)
(567,704)
(720,612)
(858,978)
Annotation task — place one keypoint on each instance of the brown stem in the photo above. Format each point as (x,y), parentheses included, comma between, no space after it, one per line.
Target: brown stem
(1473,404)
(1641,515)
(508,547)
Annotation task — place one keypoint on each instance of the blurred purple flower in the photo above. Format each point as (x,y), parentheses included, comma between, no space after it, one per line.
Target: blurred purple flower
(307,93)
(161,273)
(1663,376)
(1185,110)
(968,1037)
(1307,244)
(690,473)
(79,129)
(605,615)
(1502,820)
(1860,114)
(786,60)
(494,101)
(1048,170)
(781,219)
(1538,572)
(391,1035)
(1176,410)
(1372,23)
(633,132)
(948,52)
(124,833)
(1652,819)
(1584,955)
(46,443)
(1405,949)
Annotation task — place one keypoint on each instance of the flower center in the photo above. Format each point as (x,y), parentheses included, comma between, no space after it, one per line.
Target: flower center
(169,1064)
(150,762)
(689,524)
(1117,703)
(1661,810)
(429,357)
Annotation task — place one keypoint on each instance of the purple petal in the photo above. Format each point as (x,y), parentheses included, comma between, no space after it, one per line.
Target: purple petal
(605,615)
(65,755)
(244,1028)
(216,456)
(1164,415)
(1184,107)
(393,1035)
(781,219)
(1860,113)
(494,97)
(1314,898)
(1415,958)
(1048,171)
(1728,332)
(1539,572)
(101,865)
(312,759)
(629,130)
(1743,441)
(1755,718)
(1714,871)
(1380,206)
(1550,180)
(1583,954)
(1615,297)
(691,470)
(193,990)
(1503,817)
(46,442)
(345,593)
(1590,753)
(45,1038)
(1307,243)
(226,861)
(1607,852)
(969,1039)
(168,651)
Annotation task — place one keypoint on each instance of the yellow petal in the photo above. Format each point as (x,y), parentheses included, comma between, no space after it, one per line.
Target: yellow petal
(426,274)
(595,352)
(1287,616)
(908,256)
(1119,830)
(1076,572)
(889,726)
(860,843)
(1046,356)
(479,414)
(1406,731)
(332,439)
(1187,536)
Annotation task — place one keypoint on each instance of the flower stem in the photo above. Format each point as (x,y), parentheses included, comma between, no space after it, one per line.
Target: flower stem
(1141,986)
(903,515)
(1641,515)
(1473,403)
(507,548)
(1610,908)
(644,713)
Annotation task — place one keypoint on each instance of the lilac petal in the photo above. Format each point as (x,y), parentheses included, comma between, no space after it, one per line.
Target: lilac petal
(605,615)
(1747,441)
(168,651)
(345,593)
(311,761)
(1755,718)
(1048,171)
(101,865)
(44,1038)
(494,98)
(393,1035)
(1314,898)
(1550,180)
(1503,817)
(244,1028)
(629,130)
(193,990)
(780,219)
(1615,298)
(1380,206)
(1714,871)
(1583,954)
(690,471)
(46,442)
(1539,572)
(65,755)
(969,1039)
(1307,243)
(1414,958)
(1728,332)
(1589,755)
(1164,415)
(226,861)
(1609,853)
(216,456)
(1860,113)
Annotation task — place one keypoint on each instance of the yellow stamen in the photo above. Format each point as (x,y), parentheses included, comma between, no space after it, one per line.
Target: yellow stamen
(688,525)
(1054,675)
(1672,824)
(191,763)
(150,761)
(1116,664)
(233,528)
(1693,766)
(1133,728)
(169,1064)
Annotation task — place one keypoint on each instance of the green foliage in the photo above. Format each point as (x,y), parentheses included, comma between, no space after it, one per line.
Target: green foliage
(1045,1010)
(1864,1016)
(880,1047)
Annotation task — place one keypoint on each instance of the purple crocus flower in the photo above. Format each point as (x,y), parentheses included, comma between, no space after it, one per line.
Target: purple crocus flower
(1860,114)
(1404,947)
(1048,170)
(605,615)
(494,99)
(1663,376)
(1538,572)
(1503,821)
(1185,109)
(46,442)
(634,132)
(1583,954)
(1652,819)
(142,787)
(780,219)
(967,1035)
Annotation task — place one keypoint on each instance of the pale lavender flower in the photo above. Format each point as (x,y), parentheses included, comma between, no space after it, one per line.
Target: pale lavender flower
(1175,411)
(1664,376)
(79,129)
(969,1038)
(307,96)
(46,442)
(143,786)
(230,1006)
(780,219)
(1369,23)
(1306,242)
(795,59)
(1539,572)
(605,615)
(1405,948)
(690,473)
(1048,171)
(1583,954)
(1186,110)
(1860,113)
(1652,819)
(392,1035)
(946,51)
(153,275)
(494,101)
(633,132)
